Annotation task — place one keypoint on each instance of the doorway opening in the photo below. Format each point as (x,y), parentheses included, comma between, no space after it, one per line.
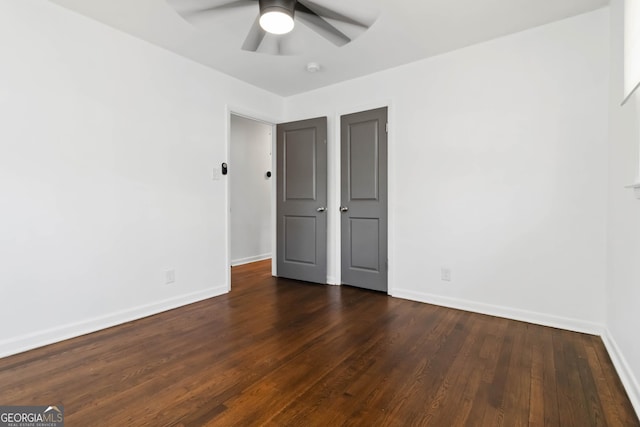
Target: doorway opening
(250,190)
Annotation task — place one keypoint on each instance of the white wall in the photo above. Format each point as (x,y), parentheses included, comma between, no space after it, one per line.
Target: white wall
(497,171)
(250,188)
(623,273)
(107,147)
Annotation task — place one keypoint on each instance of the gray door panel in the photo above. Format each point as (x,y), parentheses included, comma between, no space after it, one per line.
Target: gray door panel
(302,189)
(364,195)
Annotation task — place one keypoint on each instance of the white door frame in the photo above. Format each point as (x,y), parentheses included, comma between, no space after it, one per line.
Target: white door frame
(271,121)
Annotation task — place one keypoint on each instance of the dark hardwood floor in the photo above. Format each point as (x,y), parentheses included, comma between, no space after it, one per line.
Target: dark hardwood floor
(283,353)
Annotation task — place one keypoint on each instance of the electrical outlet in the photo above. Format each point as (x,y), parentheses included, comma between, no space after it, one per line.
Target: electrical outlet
(170,276)
(445,274)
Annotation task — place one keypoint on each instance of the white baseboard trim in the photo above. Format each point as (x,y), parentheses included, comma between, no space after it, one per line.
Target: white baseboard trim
(629,381)
(249,260)
(72,330)
(543,319)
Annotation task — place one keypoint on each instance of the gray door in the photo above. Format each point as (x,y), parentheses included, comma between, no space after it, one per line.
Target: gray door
(302,199)
(363,204)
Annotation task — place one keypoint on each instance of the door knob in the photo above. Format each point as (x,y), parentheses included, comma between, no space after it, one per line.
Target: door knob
(343,208)
(321,209)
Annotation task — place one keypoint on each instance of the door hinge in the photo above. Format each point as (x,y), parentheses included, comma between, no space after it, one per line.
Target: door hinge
(386,127)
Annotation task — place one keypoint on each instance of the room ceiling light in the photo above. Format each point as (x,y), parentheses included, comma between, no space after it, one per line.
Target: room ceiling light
(276,16)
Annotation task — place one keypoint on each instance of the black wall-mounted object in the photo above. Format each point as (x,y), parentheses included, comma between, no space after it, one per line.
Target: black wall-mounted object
(224,169)
(268,174)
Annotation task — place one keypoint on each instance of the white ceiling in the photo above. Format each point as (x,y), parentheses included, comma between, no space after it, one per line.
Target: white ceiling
(404,31)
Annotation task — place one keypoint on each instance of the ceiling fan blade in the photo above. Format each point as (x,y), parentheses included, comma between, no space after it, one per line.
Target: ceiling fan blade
(322,27)
(331,14)
(189,9)
(283,48)
(255,36)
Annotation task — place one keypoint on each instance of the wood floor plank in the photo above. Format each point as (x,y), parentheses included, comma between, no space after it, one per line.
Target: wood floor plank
(277,352)
(517,396)
(619,396)
(489,355)
(537,392)
(603,390)
(461,380)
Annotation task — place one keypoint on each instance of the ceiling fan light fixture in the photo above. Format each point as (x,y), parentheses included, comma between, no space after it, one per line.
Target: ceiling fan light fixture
(276,16)
(276,22)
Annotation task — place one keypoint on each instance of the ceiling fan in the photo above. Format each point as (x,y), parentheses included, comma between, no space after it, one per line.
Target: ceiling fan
(276,17)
